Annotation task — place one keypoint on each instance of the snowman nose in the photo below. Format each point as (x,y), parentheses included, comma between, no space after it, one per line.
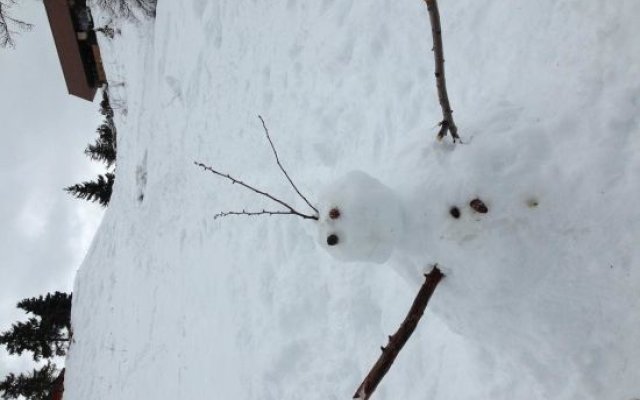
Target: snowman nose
(332,239)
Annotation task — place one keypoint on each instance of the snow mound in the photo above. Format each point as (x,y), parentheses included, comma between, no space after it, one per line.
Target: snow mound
(361,219)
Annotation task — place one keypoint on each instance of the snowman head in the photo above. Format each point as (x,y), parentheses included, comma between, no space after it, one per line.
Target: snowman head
(360,219)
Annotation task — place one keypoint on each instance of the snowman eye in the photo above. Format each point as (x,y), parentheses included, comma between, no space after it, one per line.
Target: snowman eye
(334,213)
(332,239)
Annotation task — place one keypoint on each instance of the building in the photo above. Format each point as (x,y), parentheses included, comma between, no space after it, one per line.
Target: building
(72,28)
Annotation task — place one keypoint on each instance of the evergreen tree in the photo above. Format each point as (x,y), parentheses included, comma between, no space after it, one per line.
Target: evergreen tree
(41,338)
(104,148)
(46,333)
(53,309)
(24,336)
(99,190)
(35,386)
(100,151)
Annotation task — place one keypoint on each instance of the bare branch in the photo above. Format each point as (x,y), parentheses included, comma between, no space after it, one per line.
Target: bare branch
(129,9)
(398,339)
(253,189)
(447,124)
(275,153)
(251,213)
(6,23)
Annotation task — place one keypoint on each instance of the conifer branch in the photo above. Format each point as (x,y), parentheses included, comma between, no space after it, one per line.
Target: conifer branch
(258,191)
(275,153)
(447,124)
(99,190)
(398,339)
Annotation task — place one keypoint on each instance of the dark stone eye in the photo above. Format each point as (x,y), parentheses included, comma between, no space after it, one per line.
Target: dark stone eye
(455,212)
(334,213)
(332,239)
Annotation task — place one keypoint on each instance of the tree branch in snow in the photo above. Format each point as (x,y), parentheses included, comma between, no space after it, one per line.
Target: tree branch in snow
(252,213)
(275,153)
(398,339)
(447,124)
(260,192)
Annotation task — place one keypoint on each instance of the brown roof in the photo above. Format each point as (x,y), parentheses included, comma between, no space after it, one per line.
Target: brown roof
(68,48)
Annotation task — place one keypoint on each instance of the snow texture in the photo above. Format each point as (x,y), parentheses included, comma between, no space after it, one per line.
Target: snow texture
(540,298)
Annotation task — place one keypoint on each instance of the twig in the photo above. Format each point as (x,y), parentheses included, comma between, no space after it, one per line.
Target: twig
(275,153)
(398,339)
(251,213)
(260,192)
(447,124)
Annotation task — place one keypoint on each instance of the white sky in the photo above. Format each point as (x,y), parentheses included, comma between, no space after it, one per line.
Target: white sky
(44,232)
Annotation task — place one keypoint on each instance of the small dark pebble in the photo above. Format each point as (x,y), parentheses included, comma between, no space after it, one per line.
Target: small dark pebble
(532,203)
(332,239)
(479,206)
(455,212)
(334,213)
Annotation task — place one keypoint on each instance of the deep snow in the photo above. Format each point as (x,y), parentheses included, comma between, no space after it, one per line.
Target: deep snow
(541,297)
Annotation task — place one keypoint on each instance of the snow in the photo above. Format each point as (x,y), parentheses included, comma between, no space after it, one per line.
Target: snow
(368,221)
(540,298)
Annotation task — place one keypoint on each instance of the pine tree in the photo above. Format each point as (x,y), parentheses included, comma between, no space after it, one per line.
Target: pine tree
(53,309)
(99,190)
(24,336)
(35,386)
(40,337)
(104,148)
(46,333)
